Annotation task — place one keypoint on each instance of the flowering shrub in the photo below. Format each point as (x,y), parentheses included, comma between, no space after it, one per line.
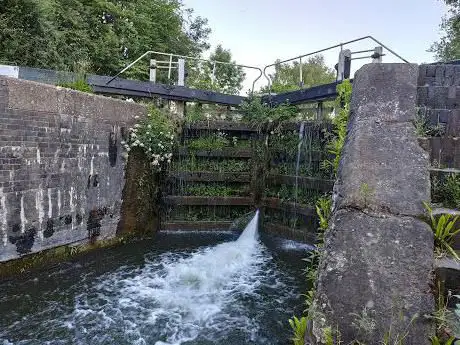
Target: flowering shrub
(155,136)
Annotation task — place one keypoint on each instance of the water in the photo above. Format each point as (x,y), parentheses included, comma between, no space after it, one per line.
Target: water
(212,288)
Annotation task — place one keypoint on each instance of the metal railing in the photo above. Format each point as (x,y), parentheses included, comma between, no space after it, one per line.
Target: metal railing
(171,56)
(339,45)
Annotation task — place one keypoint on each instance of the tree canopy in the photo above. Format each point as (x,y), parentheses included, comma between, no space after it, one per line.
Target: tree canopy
(287,76)
(448,47)
(219,77)
(96,36)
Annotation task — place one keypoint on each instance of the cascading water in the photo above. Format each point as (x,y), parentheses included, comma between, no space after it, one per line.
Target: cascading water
(234,292)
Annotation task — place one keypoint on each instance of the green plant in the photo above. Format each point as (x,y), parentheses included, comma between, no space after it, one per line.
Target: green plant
(366,193)
(204,189)
(323,210)
(79,85)
(340,121)
(436,341)
(155,135)
(451,191)
(363,323)
(262,115)
(443,230)
(299,327)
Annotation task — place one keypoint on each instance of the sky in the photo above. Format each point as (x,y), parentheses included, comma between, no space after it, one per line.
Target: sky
(259,32)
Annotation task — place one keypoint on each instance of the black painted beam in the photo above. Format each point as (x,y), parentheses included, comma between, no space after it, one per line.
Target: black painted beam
(127,87)
(102,84)
(313,94)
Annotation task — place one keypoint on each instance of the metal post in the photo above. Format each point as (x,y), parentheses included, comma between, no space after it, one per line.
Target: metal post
(153,70)
(343,66)
(214,72)
(180,105)
(319,111)
(170,67)
(300,73)
(181,72)
(377,56)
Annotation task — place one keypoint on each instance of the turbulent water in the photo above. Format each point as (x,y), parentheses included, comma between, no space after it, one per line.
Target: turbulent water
(187,290)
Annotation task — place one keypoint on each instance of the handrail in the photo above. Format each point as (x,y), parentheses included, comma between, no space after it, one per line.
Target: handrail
(329,48)
(187,57)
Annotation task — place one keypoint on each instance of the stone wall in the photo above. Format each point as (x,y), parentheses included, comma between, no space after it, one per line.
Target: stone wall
(438,100)
(375,272)
(62,167)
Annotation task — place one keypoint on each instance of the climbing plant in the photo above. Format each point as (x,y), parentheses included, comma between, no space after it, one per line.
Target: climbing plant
(155,135)
(340,121)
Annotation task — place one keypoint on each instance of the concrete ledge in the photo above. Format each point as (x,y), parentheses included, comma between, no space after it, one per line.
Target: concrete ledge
(37,97)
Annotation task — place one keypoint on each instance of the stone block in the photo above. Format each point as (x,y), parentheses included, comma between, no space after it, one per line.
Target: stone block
(381,266)
(381,153)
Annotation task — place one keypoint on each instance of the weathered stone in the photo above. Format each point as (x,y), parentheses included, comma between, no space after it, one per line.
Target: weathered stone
(381,153)
(381,266)
(63,169)
(448,271)
(375,273)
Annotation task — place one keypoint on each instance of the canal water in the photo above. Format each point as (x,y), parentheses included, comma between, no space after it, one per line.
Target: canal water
(180,288)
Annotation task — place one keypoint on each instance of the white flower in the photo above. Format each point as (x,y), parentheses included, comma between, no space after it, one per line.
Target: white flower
(172,137)
(141,144)
(133,135)
(122,142)
(136,117)
(128,149)
(137,125)
(149,126)
(169,161)
(148,133)
(161,133)
(208,116)
(272,132)
(130,100)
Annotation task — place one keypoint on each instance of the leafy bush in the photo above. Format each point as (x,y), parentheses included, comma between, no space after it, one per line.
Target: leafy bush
(155,136)
(451,191)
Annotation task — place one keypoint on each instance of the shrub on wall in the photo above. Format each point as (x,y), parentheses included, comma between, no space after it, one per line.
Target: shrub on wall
(155,135)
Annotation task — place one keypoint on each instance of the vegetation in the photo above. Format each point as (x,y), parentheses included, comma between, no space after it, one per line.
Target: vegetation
(262,115)
(221,78)
(448,48)
(97,36)
(79,85)
(444,232)
(193,163)
(324,210)
(451,191)
(206,189)
(287,76)
(298,326)
(289,193)
(336,142)
(217,141)
(155,135)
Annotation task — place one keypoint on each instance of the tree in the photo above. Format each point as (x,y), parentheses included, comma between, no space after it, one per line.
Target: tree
(217,77)
(287,76)
(97,36)
(448,48)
